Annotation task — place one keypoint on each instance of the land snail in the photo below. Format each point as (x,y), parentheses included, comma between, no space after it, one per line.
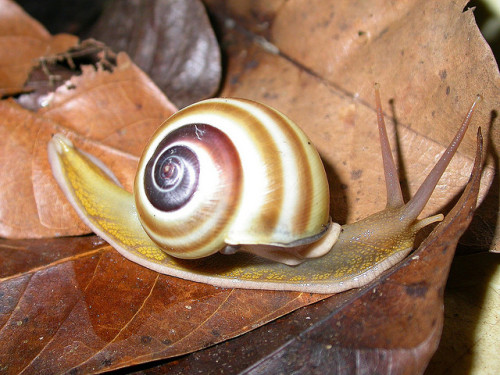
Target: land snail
(232,176)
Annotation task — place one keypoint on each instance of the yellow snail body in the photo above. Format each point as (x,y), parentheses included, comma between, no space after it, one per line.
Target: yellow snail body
(232,176)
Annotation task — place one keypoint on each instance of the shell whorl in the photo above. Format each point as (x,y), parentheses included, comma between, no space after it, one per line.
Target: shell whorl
(247,176)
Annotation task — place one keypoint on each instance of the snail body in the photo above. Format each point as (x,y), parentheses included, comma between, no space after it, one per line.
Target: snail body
(232,176)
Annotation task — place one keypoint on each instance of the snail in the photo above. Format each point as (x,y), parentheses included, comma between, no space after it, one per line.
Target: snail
(231,192)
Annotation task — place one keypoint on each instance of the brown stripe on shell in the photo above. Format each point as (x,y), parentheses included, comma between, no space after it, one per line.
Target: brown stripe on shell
(262,139)
(303,213)
(270,212)
(304,225)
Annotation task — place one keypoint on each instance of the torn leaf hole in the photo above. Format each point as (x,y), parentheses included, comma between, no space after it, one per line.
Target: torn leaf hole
(55,71)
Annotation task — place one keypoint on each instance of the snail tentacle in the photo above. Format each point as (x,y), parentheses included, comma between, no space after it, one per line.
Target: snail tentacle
(393,187)
(392,232)
(416,204)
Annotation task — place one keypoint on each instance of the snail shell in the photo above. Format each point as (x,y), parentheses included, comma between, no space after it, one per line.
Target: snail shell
(230,172)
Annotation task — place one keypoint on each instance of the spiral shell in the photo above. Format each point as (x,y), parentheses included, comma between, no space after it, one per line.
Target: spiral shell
(230,172)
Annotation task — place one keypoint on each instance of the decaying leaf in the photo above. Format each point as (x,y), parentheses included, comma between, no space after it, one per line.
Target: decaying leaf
(125,99)
(96,311)
(121,109)
(181,56)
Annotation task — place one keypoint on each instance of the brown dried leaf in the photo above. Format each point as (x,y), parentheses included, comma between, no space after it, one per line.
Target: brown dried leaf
(32,204)
(105,113)
(317,61)
(97,311)
(22,42)
(120,108)
(181,56)
(22,256)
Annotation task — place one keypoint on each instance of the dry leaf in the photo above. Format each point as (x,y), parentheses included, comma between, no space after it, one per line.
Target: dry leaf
(96,311)
(21,256)
(317,61)
(181,56)
(22,42)
(121,109)
(32,204)
(471,319)
(126,99)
